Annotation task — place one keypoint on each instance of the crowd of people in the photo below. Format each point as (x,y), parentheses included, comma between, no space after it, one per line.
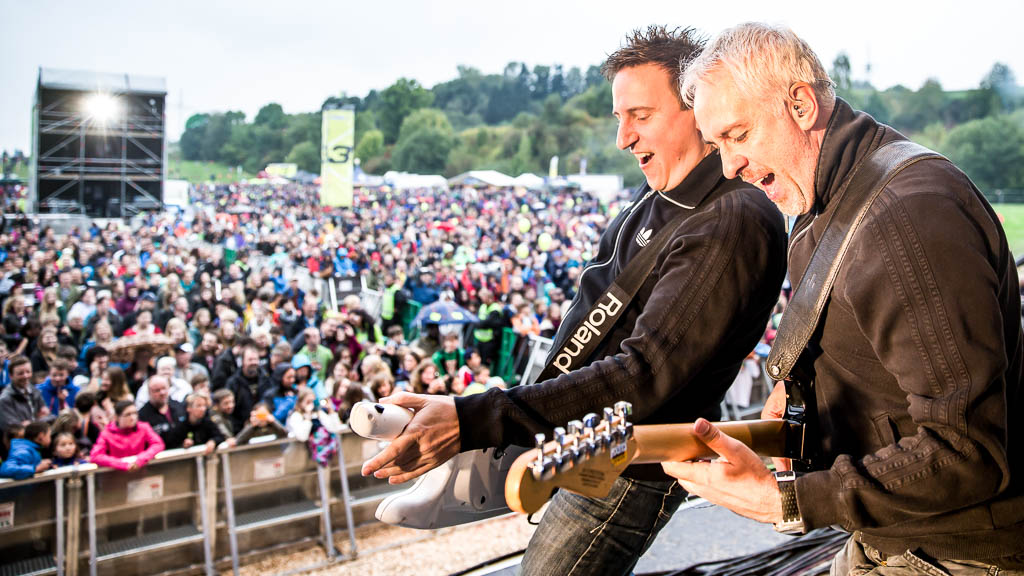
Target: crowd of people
(213,325)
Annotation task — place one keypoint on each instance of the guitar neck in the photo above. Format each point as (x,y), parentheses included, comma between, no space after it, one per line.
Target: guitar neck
(679,443)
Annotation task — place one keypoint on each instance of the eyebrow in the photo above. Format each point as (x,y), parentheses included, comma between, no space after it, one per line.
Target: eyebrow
(636,109)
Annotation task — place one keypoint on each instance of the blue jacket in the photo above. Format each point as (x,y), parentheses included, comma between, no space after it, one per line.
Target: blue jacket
(49,392)
(22,460)
(314,383)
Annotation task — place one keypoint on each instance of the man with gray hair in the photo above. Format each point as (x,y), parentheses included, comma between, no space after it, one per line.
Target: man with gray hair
(916,361)
(160,411)
(178,390)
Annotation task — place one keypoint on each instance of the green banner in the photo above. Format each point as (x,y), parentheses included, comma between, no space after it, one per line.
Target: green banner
(336,157)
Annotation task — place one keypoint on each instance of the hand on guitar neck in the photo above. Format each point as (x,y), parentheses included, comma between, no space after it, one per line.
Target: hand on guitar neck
(593,453)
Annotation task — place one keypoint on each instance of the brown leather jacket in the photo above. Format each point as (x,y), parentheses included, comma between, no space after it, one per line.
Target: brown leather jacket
(916,363)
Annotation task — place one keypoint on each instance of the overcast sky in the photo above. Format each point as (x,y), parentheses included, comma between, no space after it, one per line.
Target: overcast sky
(219,55)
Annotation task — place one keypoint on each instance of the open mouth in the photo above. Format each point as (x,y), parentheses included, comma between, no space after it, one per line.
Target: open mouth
(767,180)
(645,159)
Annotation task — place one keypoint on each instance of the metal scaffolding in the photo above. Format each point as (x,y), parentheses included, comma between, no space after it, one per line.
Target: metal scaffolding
(98,143)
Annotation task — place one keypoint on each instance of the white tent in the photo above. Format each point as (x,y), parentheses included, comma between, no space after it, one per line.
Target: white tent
(406,181)
(482,178)
(529,181)
(605,186)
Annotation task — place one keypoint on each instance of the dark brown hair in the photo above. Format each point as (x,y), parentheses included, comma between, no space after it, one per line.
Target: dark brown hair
(669,49)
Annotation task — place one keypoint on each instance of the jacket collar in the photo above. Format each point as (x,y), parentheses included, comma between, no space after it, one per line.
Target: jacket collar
(850,136)
(698,184)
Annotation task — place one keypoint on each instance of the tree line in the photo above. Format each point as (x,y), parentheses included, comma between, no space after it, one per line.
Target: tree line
(516,121)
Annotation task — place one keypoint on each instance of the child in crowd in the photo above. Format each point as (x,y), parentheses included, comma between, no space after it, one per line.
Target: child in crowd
(65,450)
(307,411)
(316,425)
(126,443)
(480,377)
(201,384)
(450,356)
(467,372)
(25,458)
(353,395)
(381,386)
(220,411)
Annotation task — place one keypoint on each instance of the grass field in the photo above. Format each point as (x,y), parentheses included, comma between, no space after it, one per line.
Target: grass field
(1013,223)
(199,172)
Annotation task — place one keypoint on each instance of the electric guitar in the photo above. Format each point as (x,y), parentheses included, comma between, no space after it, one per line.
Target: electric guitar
(588,457)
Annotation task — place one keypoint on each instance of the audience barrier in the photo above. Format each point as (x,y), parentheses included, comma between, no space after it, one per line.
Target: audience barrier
(187,511)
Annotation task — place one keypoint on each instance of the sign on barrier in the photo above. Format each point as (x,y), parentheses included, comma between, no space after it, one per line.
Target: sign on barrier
(145,489)
(6,514)
(268,468)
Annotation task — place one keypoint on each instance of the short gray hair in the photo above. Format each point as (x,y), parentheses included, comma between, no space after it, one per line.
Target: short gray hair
(762,59)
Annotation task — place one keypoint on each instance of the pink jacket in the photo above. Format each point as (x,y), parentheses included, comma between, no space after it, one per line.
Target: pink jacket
(115,443)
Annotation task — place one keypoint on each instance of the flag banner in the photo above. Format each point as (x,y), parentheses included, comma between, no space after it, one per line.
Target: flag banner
(336,157)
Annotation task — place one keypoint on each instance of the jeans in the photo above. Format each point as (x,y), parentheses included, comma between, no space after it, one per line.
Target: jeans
(580,535)
(857,559)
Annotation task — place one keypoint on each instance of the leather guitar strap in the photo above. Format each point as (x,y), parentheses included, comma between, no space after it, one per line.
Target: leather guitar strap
(578,345)
(802,314)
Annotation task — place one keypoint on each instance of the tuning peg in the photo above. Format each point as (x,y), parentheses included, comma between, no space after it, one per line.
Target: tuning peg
(559,440)
(609,426)
(575,427)
(542,467)
(623,409)
(589,445)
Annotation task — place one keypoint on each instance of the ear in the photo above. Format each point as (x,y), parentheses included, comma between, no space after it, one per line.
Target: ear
(803,105)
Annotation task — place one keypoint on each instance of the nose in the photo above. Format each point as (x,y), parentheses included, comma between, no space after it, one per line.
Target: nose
(625,136)
(732,164)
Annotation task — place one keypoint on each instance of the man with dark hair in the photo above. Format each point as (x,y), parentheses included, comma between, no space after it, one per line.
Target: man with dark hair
(916,351)
(97,358)
(104,311)
(672,352)
(248,385)
(228,363)
(21,402)
(310,318)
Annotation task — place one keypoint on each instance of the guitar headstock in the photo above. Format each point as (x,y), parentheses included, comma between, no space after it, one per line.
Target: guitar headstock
(586,458)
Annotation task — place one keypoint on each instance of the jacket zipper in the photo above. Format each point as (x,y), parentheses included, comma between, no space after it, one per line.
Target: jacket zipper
(794,238)
(615,247)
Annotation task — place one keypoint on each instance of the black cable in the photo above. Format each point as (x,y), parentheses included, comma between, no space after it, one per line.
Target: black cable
(804,555)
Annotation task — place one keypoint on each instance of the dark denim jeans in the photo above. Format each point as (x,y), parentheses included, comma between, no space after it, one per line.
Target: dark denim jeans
(580,535)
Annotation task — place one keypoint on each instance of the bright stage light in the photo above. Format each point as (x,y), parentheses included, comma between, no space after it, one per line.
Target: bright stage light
(103,108)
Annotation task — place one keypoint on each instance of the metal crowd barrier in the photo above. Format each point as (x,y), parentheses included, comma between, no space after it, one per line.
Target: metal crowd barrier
(183,507)
(33,530)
